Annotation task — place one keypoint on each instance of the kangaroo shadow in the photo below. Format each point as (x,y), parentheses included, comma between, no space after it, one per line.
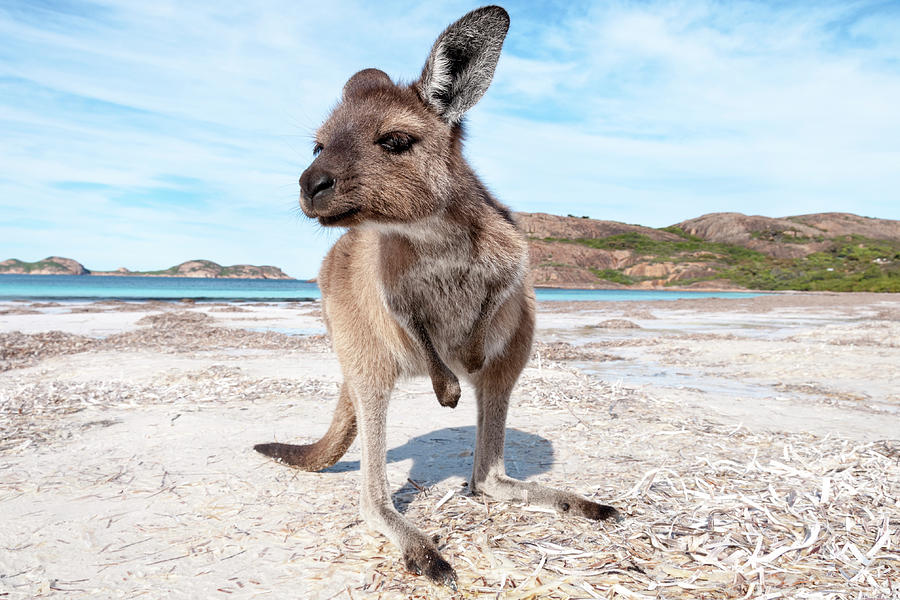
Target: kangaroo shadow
(448,452)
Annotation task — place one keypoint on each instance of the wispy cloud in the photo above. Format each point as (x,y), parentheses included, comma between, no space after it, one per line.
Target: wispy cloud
(674,109)
(144,134)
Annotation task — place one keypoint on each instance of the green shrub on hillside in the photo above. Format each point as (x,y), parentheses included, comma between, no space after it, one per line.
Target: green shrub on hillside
(851,263)
(681,232)
(613,275)
(644,245)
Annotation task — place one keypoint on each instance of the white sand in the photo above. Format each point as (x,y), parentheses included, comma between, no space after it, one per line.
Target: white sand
(133,474)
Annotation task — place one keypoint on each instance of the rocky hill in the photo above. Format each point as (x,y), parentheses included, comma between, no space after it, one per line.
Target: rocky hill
(791,237)
(542,225)
(52,265)
(208,269)
(828,251)
(56,265)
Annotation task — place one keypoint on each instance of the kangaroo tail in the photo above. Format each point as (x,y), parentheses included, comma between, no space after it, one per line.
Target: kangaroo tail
(325,452)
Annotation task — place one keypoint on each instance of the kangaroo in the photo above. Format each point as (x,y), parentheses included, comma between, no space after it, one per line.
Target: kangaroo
(428,279)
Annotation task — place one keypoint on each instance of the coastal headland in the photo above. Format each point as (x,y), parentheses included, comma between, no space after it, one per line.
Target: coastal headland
(719,251)
(824,252)
(57,265)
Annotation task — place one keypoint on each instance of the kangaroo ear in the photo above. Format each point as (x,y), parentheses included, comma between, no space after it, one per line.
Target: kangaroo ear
(366,80)
(462,61)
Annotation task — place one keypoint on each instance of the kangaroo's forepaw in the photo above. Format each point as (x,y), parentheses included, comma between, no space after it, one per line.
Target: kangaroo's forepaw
(423,560)
(447,391)
(590,510)
(473,361)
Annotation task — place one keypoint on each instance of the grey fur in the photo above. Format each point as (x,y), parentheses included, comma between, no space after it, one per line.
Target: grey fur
(462,62)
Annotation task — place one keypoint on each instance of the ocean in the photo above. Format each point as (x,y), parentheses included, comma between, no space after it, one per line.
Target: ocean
(96,287)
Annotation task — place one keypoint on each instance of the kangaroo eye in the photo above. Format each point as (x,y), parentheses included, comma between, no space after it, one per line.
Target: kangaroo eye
(317,148)
(396,142)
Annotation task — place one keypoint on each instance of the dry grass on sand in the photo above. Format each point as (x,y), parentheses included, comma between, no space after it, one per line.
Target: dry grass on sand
(140,482)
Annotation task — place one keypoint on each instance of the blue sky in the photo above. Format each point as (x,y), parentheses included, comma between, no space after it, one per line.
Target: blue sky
(143,134)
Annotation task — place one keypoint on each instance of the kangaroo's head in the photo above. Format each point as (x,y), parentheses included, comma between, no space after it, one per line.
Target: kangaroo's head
(391,153)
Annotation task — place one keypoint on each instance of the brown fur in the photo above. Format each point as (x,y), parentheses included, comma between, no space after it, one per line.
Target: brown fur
(428,279)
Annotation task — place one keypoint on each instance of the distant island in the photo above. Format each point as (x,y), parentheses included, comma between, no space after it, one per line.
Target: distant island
(823,252)
(57,265)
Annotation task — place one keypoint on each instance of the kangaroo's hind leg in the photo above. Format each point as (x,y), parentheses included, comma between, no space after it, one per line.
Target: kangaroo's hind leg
(419,553)
(493,385)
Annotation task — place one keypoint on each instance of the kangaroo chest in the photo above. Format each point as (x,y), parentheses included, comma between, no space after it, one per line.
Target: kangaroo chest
(444,289)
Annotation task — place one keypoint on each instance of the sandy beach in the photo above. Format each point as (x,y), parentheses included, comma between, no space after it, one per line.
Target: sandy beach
(753,445)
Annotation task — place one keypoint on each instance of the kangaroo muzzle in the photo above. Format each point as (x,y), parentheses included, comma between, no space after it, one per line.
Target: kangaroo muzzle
(316,191)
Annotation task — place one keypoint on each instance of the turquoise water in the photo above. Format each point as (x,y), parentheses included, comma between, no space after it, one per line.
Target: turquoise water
(83,287)
(95,287)
(619,295)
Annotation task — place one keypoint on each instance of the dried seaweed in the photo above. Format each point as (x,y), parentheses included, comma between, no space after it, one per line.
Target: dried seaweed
(617,324)
(186,331)
(563,351)
(712,510)
(19,350)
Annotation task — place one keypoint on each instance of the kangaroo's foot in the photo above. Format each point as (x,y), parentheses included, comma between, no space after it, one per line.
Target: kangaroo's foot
(502,487)
(423,560)
(446,388)
(420,555)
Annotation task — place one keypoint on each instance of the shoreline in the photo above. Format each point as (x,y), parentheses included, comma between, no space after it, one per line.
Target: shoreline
(702,296)
(562,287)
(612,287)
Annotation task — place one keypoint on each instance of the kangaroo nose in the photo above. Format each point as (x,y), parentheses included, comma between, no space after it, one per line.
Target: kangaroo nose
(315,184)
(321,183)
